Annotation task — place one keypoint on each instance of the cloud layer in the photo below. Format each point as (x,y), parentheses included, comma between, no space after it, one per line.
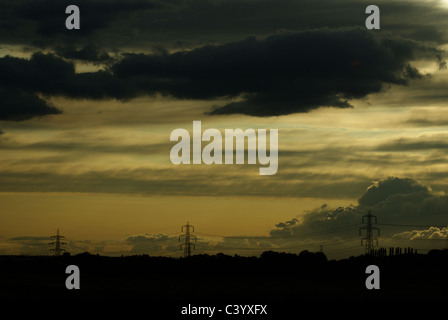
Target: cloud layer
(336,229)
(287,73)
(396,202)
(189,22)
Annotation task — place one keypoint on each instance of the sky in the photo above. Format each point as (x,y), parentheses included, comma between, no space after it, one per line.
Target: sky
(86,117)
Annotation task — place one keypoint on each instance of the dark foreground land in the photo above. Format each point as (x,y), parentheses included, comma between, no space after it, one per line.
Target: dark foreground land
(273,276)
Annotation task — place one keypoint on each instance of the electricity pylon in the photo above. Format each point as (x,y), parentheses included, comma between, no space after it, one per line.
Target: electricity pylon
(57,248)
(187,242)
(369,238)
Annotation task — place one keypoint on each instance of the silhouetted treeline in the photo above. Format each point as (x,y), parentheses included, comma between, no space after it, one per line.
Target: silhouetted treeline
(273,275)
(393,251)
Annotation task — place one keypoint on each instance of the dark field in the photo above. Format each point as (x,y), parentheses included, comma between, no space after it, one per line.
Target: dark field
(274,276)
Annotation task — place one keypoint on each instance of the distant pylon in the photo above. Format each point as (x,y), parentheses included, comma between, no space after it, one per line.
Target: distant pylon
(187,242)
(369,238)
(57,244)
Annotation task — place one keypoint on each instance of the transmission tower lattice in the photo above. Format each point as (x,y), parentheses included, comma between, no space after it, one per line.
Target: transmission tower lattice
(369,238)
(57,250)
(187,239)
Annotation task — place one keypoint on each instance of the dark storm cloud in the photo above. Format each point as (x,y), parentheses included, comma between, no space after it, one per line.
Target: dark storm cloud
(17,105)
(22,81)
(42,73)
(400,201)
(43,21)
(282,74)
(89,52)
(194,22)
(19,86)
(286,73)
(50,75)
